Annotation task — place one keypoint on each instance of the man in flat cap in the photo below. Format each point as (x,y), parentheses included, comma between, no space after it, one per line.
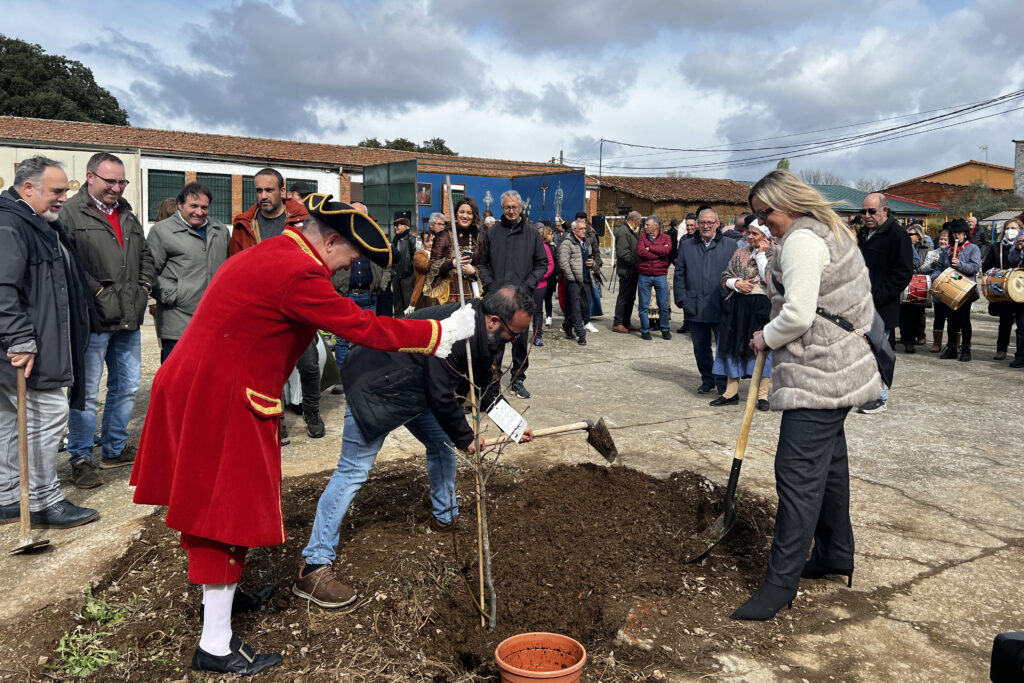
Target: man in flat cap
(403,279)
(209,449)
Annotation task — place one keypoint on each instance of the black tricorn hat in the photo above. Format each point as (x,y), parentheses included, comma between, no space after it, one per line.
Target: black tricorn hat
(353,225)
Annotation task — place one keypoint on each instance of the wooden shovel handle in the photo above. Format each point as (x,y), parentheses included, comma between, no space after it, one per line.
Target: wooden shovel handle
(26,521)
(547,431)
(748,410)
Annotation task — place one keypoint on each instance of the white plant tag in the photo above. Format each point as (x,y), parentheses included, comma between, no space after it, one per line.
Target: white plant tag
(508,420)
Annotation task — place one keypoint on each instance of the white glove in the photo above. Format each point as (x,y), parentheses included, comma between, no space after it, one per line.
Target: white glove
(458,326)
(408,310)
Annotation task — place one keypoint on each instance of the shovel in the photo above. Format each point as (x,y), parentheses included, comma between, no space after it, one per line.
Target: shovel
(598,436)
(25,541)
(702,543)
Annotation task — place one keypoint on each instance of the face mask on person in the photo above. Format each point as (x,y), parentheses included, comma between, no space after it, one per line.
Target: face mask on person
(1010,235)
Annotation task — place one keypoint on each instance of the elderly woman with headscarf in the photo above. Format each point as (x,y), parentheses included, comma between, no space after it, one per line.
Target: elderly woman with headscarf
(820,370)
(745,311)
(999,257)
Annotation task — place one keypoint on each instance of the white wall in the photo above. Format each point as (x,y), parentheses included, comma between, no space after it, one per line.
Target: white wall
(327,181)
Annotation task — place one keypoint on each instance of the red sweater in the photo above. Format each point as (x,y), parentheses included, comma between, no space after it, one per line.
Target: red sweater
(652,255)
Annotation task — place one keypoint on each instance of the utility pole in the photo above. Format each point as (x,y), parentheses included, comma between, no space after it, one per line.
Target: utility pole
(561,157)
(984,148)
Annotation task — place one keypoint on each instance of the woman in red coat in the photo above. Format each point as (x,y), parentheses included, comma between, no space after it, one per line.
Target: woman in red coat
(209,449)
(652,252)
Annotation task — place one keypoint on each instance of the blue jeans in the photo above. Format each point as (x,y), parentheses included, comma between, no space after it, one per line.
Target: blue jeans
(354,465)
(700,335)
(122,353)
(366,301)
(643,292)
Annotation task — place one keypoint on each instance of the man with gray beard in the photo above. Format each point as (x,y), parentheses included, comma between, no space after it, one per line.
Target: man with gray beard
(44,329)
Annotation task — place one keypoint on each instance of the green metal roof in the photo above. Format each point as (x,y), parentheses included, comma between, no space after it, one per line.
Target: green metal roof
(850,199)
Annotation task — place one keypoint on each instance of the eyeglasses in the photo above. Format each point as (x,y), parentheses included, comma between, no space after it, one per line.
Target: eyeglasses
(707,224)
(513,335)
(869,212)
(512,208)
(108,181)
(762,215)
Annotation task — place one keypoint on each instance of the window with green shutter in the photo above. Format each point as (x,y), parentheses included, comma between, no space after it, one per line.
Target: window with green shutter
(161,185)
(248,192)
(220,185)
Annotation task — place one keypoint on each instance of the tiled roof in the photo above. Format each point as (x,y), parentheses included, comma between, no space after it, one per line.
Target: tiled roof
(951,168)
(688,190)
(258,150)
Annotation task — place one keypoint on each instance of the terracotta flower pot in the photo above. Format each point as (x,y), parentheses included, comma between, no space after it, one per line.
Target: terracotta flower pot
(540,656)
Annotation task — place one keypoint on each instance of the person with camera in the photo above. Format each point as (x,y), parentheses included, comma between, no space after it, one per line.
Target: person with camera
(443,278)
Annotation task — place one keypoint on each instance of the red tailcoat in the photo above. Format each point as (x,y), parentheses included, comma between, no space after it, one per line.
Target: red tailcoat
(209,448)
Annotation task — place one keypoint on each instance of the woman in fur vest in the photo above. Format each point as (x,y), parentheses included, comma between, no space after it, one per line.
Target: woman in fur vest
(819,371)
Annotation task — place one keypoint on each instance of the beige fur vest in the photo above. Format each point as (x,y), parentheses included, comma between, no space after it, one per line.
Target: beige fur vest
(827,367)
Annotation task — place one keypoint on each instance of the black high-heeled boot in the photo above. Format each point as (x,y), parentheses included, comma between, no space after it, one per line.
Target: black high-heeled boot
(815,570)
(763,604)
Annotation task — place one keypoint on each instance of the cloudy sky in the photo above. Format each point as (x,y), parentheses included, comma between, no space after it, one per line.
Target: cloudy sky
(532,78)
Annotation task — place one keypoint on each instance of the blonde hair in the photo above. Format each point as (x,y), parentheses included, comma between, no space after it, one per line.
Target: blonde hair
(1020,226)
(782,190)
(545,233)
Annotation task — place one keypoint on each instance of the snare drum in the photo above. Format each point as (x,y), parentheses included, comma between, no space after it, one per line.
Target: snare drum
(953,288)
(919,291)
(1003,284)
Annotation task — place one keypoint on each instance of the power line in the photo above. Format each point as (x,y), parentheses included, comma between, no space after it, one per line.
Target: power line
(835,144)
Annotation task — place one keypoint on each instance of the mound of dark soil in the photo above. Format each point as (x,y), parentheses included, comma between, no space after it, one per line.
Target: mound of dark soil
(591,552)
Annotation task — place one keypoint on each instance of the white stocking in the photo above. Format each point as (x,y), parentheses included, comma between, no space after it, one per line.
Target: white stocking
(217,600)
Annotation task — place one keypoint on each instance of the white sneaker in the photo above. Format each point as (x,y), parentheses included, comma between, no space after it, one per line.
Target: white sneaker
(547,321)
(589,327)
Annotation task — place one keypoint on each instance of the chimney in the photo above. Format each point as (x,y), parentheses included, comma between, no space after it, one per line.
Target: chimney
(1018,167)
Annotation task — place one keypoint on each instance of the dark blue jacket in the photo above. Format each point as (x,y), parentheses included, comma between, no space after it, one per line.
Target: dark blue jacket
(44,301)
(697,286)
(386,390)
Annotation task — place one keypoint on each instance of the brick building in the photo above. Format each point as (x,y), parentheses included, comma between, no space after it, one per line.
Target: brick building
(668,198)
(950,183)
(159,162)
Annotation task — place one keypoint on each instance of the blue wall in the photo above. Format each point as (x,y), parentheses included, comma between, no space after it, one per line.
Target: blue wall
(573,189)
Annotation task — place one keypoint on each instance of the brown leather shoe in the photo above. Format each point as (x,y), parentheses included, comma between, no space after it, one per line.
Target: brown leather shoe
(436,526)
(632,328)
(321,588)
(620,328)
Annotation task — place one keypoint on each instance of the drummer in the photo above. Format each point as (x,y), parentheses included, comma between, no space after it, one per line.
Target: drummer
(912,320)
(965,258)
(1017,261)
(999,257)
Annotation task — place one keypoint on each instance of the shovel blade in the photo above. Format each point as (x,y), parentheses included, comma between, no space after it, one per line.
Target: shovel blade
(30,544)
(600,438)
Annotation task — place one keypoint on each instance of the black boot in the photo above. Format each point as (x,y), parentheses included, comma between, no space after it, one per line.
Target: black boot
(241,660)
(816,570)
(965,352)
(950,352)
(763,604)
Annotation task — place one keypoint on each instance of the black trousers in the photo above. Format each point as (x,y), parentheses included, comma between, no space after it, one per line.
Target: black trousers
(960,321)
(577,300)
(625,299)
(911,323)
(166,346)
(519,360)
(402,288)
(308,366)
(812,479)
(942,312)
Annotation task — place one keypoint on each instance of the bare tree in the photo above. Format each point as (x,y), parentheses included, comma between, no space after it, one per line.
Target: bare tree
(817,176)
(874,184)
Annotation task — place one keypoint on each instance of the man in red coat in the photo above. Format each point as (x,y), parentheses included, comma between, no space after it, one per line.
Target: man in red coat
(209,449)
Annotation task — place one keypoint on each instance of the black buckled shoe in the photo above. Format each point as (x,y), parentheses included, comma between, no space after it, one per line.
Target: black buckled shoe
(241,660)
(63,515)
